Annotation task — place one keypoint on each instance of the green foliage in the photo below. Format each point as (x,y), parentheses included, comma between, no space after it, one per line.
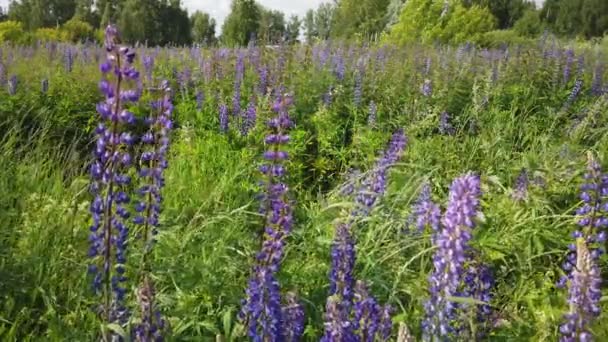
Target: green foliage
(507,12)
(11,31)
(318,24)
(202,28)
(588,18)
(48,35)
(292,30)
(529,25)
(361,18)
(499,38)
(271,26)
(432,21)
(77,31)
(242,23)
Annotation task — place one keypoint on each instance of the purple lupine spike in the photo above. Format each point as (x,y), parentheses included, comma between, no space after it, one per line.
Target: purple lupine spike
(293,315)
(339,67)
(427,88)
(574,93)
(110,180)
(152,165)
(425,212)
(68,59)
(148,62)
(478,283)
(338,326)
(445,126)
(223,114)
(249,118)
(584,294)
(367,314)
(263,80)
(449,259)
(597,85)
(261,309)
(520,192)
(328,96)
(352,180)
(373,114)
(374,186)
(200,99)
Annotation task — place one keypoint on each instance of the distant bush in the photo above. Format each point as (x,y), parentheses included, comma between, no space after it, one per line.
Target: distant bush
(76,30)
(529,25)
(498,38)
(46,34)
(12,31)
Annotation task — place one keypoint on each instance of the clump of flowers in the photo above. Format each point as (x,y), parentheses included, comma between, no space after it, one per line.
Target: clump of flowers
(520,192)
(341,323)
(153,162)
(262,311)
(449,260)
(110,179)
(583,276)
(426,213)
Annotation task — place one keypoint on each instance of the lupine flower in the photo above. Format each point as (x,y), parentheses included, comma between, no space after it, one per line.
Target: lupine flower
(592,216)
(13,82)
(338,326)
(449,259)
(425,212)
(374,186)
(478,282)
(153,163)
(367,314)
(200,99)
(386,323)
(576,90)
(352,180)
(584,295)
(263,80)
(522,182)
(445,126)
(110,179)
(261,309)
(223,118)
(249,118)
(427,88)
(372,117)
(598,80)
(293,315)
(339,68)
(68,59)
(148,62)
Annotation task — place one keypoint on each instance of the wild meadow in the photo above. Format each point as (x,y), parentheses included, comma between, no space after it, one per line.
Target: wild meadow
(334,192)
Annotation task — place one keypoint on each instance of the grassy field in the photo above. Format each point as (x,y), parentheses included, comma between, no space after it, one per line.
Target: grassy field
(525,119)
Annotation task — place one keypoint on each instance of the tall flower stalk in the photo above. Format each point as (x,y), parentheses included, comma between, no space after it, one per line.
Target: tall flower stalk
(110,180)
(262,309)
(452,242)
(153,162)
(341,323)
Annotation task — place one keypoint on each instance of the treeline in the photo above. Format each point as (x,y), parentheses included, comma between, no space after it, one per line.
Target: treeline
(162,22)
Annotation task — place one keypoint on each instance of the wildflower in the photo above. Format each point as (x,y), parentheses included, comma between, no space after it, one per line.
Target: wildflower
(110,179)
(445,126)
(366,313)
(262,306)
(200,99)
(249,118)
(522,182)
(598,80)
(584,295)
(358,92)
(449,259)
(223,118)
(568,65)
(425,211)
(375,185)
(293,314)
(427,88)
(372,117)
(153,164)
(44,86)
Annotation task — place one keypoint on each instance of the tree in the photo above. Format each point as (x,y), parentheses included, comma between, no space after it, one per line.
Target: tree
(202,28)
(310,30)
(507,12)
(324,19)
(271,26)
(393,11)
(292,31)
(529,25)
(449,22)
(242,24)
(594,15)
(359,17)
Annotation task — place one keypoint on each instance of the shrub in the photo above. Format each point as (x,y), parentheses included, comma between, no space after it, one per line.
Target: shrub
(11,31)
(46,34)
(76,30)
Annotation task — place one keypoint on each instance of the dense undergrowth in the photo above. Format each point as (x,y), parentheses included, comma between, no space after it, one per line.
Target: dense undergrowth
(499,113)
